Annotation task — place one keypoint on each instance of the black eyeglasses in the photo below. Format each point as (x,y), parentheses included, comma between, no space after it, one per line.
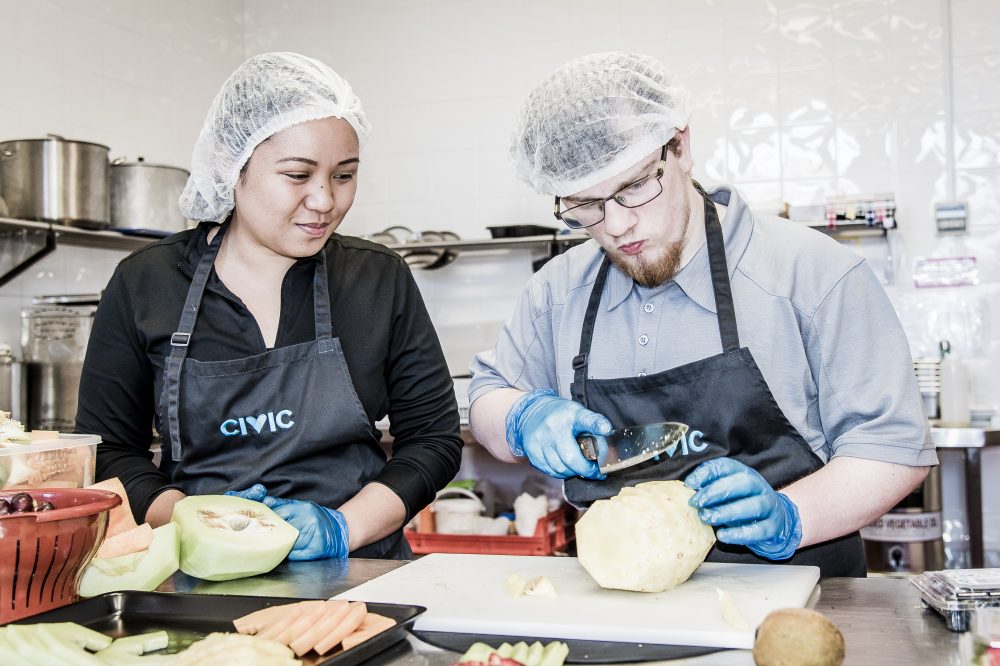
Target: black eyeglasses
(635,194)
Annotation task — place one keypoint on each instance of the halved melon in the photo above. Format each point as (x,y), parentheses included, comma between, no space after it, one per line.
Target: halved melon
(144,570)
(225,537)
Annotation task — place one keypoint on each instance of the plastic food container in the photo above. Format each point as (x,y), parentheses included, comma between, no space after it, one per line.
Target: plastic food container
(42,554)
(957,593)
(66,461)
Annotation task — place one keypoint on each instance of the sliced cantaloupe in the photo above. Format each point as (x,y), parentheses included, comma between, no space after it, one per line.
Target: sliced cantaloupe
(225,537)
(355,616)
(335,612)
(120,518)
(135,571)
(256,621)
(372,625)
(130,541)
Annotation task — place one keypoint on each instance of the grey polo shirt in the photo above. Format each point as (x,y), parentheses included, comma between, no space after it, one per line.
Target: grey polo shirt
(812,313)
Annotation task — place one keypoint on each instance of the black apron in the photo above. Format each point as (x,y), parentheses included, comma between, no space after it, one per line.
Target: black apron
(288,418)
(729,408)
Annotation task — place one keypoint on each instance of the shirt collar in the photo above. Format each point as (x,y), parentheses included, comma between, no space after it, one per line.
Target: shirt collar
(198,243)
(695,279)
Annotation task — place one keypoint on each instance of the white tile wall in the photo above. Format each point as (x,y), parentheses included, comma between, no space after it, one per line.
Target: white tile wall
(799,100)
(136,76)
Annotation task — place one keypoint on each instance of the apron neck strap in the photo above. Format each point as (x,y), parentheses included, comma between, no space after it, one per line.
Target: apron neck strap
(720,275)
(720,285)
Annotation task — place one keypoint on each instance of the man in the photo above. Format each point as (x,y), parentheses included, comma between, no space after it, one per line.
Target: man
(776,345)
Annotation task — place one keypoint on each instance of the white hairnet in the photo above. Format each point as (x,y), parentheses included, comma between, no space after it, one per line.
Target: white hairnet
(593,118)
(266,94)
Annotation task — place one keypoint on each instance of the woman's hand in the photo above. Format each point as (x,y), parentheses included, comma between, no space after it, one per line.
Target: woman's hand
(322,532)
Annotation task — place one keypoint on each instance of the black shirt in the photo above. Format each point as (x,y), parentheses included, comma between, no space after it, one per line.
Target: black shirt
(392,352)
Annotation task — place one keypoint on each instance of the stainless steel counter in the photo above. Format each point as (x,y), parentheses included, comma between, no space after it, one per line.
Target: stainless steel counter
(881,618)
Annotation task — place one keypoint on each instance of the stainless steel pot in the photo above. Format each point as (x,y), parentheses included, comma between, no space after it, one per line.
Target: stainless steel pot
(145,196)
(56,180)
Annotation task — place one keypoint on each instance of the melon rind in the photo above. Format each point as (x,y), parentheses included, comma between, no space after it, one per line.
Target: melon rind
(135,571)
(645,539)
(225,537)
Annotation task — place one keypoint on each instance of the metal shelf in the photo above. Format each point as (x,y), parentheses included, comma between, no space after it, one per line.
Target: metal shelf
(110,240)
(50,235)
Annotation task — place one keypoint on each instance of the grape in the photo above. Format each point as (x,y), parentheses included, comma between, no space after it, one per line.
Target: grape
(45,506)
(4,507)
(22,503)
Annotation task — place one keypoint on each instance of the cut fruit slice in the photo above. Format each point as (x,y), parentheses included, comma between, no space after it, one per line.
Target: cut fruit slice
(255,622)
(133,646)
(225,537)
(120,518)
(355,616)
(136,571)
(372,625)
(130,541)
(336,611)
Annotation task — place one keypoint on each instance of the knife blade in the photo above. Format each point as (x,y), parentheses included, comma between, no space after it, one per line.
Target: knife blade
(634,444)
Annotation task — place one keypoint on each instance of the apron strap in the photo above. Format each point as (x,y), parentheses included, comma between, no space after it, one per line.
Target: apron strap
(180,340)
(720,285)
(581,360)
(321,300)
(720,275)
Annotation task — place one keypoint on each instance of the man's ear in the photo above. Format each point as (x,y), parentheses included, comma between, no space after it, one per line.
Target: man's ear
(682,149)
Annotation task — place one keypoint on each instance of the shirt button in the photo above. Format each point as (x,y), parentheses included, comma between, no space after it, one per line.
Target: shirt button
(643,339)
(641,374)
(648,307)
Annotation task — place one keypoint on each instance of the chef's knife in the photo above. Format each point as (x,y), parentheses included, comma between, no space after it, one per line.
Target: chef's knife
(634,444)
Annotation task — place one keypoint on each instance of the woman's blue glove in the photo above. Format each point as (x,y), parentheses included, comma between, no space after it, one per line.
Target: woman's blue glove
(543,427)
(745,508)
(322,531)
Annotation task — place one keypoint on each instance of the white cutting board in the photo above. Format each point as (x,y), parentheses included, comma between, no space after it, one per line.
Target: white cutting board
(466,594)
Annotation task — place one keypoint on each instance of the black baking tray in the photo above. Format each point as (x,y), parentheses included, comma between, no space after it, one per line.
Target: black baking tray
(580,651)
(189,617)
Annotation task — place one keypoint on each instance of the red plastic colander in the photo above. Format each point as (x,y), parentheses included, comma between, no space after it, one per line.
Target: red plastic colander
(42,555)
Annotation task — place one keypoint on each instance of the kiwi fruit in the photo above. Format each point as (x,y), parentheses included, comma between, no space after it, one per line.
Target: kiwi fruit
(798,637)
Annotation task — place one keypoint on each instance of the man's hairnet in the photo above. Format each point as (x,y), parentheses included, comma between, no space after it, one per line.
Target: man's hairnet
(593,118)
(266,94)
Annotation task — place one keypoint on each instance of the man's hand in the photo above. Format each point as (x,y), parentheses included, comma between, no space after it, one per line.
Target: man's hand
(745,508)
(543,427)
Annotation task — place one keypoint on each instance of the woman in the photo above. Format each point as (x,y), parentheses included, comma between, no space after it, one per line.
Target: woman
(264,346)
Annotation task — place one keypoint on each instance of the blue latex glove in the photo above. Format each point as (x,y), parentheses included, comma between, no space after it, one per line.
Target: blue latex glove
(322,531)
(543,427)
(745,508)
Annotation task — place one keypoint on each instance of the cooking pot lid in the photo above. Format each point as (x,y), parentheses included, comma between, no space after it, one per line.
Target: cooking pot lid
(55,137)
(119,162)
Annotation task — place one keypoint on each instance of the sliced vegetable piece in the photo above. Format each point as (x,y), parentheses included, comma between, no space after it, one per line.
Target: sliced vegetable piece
(355,616)
(120,518)
(60,650)
(136,571)
(505,650)
(535,653)
(134,540)
(225,537)
(372,625)
(83,636)
(21,638)
(310,616)
(253,622)
(520,653)
(555,654)
(335,612)
(135,645)
(477,652)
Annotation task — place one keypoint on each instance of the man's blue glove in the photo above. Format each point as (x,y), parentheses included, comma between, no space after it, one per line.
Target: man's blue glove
(543,427)
(745,508)
(322,531)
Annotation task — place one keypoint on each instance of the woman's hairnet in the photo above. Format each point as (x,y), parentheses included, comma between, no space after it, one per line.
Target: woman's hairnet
(266,94)
(593,118)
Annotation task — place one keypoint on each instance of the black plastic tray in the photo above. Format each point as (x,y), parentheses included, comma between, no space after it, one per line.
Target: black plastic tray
(189,617)
(580,651)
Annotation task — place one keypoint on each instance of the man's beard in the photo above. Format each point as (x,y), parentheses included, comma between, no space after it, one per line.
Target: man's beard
(653,274)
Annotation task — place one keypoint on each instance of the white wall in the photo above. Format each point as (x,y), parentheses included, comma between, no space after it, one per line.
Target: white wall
(134,75)
(798,101)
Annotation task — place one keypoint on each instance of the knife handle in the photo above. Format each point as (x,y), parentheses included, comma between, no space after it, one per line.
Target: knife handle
(588,444)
